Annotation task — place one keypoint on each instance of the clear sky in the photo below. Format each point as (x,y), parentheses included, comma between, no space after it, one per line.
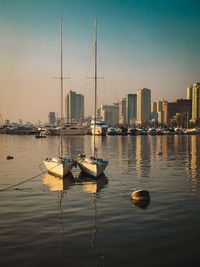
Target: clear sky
(141,43)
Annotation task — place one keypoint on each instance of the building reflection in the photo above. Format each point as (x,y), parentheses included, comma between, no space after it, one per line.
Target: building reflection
(195,162)
(73,145)
(143,156)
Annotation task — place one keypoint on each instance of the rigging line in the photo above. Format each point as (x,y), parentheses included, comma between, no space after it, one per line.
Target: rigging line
(25,181)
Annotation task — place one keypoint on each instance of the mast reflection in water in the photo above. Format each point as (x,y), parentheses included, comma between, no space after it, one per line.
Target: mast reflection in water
(93,187)
(83,222)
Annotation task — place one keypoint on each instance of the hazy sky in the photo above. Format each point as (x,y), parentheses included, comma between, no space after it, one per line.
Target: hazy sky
(141,43)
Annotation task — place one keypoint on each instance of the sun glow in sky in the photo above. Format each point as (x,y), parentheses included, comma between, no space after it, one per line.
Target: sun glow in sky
(141,43)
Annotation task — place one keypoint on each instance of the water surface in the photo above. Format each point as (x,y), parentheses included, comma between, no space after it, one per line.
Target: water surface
(82,222)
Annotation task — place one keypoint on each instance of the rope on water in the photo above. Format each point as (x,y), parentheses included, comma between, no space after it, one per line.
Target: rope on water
(25,181)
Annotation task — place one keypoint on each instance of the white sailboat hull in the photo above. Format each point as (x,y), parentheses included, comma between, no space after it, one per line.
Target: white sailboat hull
(99,130)
(58,167)
(92,167)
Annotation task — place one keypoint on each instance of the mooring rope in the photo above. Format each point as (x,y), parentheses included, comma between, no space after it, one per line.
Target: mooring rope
(11,186)
(27,180)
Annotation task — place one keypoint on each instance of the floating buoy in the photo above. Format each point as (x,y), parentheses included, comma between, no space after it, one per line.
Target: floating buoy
(140,198)
(9,157)
(143,204)
(140,195)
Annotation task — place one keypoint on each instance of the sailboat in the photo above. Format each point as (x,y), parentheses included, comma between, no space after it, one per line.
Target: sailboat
(93,166)
(60,166)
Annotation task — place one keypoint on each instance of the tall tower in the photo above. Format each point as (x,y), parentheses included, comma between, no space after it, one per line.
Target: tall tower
(74,106)
(122,111)
(196,102)
(52,118)
(143,105)
(189,92)
(131,109)
(153,106)
(159,106)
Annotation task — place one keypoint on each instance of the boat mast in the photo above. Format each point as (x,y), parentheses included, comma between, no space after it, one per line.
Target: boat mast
(95,82)
(61,86)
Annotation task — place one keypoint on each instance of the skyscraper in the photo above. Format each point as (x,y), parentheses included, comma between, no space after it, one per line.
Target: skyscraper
(110,114)
(196,102)
(74,106)
(131,109)
(159,106)
(143,105)
(52,118)
(153,106)
(181,106)
(189,92)
(122,111)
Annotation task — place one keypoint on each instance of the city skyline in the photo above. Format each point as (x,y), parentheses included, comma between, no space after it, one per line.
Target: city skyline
(141,44)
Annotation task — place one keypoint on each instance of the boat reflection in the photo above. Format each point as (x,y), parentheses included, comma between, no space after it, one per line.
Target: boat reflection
(58,184)
(93,186)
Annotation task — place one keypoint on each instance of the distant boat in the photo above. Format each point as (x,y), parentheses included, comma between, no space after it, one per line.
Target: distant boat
(122,131)
(20,130)
(40,135)
(93,166)
(100,127)
(112,131)
(132,131)
(68,129)
(195,131)
(152,131)
(60,166)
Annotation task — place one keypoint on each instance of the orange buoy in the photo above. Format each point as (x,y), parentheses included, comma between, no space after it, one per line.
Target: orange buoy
(140,195)
(140,198)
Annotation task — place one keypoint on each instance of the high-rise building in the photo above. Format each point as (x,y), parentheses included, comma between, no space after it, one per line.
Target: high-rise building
(159,106)
(131,109)
(160,117)
(189,92)
(122,111)
(7,122)
(196,102)
(74,106)
(181,106)
(110,114)
(143,105)
(153,106)
(52,118)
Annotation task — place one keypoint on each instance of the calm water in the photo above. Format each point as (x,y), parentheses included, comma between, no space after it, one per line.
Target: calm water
(51,222)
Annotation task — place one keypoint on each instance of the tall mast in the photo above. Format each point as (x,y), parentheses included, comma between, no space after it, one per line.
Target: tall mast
(95,82)
(61,85)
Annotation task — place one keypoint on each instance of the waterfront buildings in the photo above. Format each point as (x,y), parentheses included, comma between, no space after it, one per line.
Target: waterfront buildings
(52,118)
(131,109)
(153,106)
(160,117)
(122,111)
(74,107)
(196,102)
(7,122)
(173,109)
(189,92)
(159,106)
(109,114)
(143,106)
